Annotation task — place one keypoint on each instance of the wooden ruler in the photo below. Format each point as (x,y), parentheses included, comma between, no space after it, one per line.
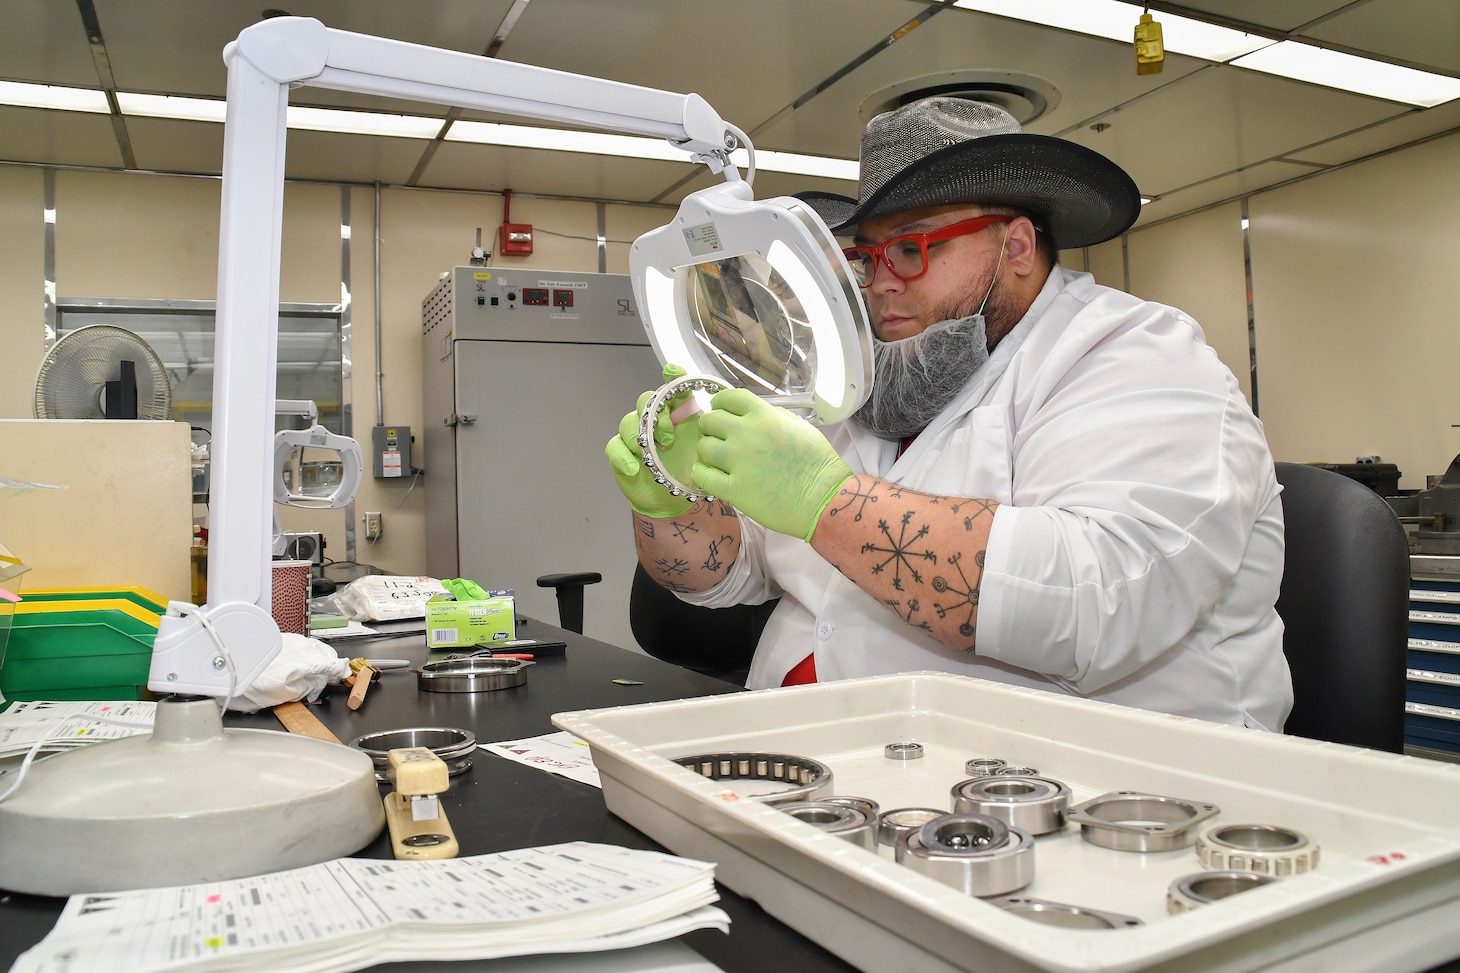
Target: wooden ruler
(297,718)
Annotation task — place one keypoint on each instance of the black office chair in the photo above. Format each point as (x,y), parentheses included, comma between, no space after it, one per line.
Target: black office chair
(569,589)
(717,642)
(1344,603)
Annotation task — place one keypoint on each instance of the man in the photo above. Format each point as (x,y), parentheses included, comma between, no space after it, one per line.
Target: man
(1054,483)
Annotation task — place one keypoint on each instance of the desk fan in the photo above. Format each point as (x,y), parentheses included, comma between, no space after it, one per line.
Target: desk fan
(102,372)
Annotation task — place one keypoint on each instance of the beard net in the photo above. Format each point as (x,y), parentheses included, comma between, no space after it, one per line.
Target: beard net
(916,377)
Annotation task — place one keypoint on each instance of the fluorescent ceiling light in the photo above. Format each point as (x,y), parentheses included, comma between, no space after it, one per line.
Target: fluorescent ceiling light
(1200,39)
(23,95)
(299,117)
(564,140)
(302,117)
(801,165)
(1334,69)
(171,106)
(1116,21)
(363,123)
(635,147)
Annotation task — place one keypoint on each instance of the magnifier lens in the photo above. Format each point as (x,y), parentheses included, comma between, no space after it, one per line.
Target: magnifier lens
(749,316)
(320,470)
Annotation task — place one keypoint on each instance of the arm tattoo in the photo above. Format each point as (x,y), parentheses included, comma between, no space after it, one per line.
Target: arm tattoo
(969,592)
(713,564)
(691,551)
(852,495)
(912,609)
(925,563)
(899,551)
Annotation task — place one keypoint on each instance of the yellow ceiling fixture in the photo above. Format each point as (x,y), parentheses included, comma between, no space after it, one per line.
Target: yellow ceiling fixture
(1150,53)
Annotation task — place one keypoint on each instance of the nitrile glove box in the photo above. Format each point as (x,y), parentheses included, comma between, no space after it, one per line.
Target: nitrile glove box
(480,621)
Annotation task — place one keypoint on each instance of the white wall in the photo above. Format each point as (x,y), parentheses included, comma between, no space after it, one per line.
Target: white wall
(22,282)
(1353,277)
(1354,320)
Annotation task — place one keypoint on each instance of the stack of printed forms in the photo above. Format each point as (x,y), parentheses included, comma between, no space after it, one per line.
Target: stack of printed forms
(353,913)
(65,725)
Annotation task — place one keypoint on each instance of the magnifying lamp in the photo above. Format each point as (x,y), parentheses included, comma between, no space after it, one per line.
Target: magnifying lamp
(290,445)
(750,293)
(192,802)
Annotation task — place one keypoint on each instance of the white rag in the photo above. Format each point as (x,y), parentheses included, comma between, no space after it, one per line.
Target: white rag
(301,670)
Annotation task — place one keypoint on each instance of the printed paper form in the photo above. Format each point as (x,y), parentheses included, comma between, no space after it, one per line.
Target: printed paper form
(70,723)
(352,913)
(558,753)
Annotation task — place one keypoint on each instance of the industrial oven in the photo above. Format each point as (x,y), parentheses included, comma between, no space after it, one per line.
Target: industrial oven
(526,374)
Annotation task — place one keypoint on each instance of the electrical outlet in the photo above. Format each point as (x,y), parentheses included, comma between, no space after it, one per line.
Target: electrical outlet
(372,525)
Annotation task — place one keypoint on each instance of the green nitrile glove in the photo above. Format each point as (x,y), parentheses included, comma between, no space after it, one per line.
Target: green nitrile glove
(463,589)
(769,464)
(676,450)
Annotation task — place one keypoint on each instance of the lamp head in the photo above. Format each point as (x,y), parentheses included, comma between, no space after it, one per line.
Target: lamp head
(757,293)
(341,458)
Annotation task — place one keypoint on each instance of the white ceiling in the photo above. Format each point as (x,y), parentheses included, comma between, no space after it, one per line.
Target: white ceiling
(793,73)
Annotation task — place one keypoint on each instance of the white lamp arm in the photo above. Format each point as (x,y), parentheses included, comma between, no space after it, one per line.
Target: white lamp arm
(295,50)
(297,407)
(265,61)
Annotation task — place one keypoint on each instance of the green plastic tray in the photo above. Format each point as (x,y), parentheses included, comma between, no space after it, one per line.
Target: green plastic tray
(142,597)
(97,653)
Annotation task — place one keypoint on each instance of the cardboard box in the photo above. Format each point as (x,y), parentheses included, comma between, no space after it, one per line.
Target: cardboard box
(453,624)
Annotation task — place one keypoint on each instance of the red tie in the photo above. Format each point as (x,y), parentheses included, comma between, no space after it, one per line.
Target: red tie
(803,674)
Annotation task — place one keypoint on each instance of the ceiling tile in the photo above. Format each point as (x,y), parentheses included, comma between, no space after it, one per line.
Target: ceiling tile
(1399,130)
(1417,32)
(1219,121)
(193,35)
(1278,15)
(1091,74)
(167,145)
(351,158)
(43,40)
(75,138)
(748,60)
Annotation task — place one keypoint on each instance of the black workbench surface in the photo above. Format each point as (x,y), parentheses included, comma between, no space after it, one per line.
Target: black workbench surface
(499,805)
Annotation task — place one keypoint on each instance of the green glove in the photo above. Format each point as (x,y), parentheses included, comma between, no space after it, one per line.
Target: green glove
(769,464)
(463,589)
(676,451)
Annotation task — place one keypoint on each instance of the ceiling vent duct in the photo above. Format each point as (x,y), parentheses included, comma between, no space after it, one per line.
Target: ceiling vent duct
(1025,96)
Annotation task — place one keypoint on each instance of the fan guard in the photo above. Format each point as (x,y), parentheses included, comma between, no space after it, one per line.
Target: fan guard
(72,380)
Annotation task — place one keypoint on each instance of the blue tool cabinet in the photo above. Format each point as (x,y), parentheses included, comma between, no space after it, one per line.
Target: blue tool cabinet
(1432,688)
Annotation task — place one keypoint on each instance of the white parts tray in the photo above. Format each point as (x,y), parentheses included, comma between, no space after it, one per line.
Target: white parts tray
(1384,897)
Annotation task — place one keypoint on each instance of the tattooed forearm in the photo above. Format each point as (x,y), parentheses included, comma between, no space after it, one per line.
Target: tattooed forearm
(921,555)
(691,551)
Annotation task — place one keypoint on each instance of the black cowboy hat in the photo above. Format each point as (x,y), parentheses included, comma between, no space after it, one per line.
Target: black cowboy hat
(954,150)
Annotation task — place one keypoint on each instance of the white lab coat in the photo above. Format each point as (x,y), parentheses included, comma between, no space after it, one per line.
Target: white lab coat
(1138,547)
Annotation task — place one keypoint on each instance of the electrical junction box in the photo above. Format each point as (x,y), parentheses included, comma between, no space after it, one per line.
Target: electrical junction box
(390,451)
(304,546)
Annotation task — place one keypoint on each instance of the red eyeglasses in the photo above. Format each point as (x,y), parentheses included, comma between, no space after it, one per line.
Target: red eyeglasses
(906,256)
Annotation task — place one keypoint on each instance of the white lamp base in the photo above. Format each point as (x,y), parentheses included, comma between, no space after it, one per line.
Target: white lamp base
(190,803)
